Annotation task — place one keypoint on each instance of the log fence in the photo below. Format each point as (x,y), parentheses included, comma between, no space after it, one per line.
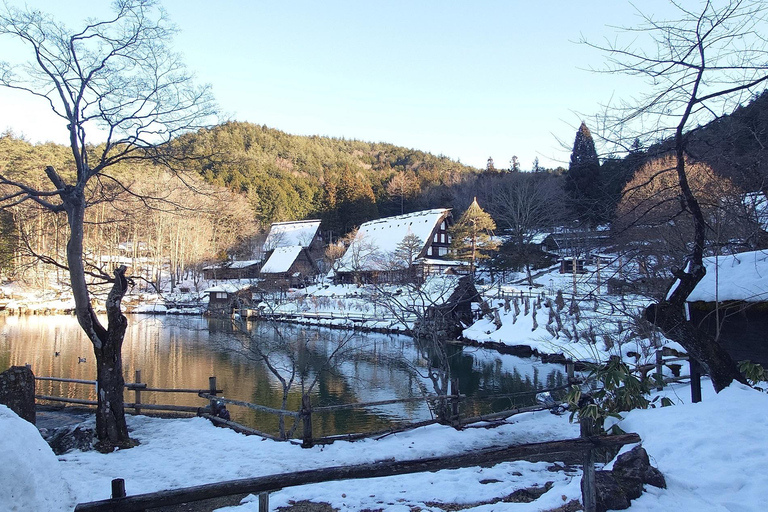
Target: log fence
(445,409)
(587,445)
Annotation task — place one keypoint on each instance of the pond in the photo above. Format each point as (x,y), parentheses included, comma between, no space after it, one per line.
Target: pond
(250,359)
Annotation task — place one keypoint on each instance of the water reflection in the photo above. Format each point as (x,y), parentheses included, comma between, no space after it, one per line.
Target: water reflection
(183,352)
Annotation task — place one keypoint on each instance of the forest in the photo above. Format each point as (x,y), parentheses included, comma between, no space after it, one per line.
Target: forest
(229,182)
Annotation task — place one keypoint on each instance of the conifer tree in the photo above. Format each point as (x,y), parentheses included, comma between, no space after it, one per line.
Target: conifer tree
(471,236)
(582,181)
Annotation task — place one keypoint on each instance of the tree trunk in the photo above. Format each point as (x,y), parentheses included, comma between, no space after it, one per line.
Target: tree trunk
(670,315)
(111,428)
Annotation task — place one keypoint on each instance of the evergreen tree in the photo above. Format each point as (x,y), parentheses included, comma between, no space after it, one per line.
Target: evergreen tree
(472,235)
(582,181)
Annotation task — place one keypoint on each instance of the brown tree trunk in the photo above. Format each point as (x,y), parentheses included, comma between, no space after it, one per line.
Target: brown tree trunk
(669,315)
(111,428)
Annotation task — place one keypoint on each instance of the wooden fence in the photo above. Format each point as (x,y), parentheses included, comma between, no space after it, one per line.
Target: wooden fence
(585,446)
(138,388)
(444,408)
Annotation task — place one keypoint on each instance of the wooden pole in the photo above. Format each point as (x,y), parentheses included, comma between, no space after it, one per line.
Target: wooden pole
(212,392)
(306,413)
(588,484)
(569,370)
(137,393)
(454,400)
(659,371)
(118,488)
(695,380)
(264,502)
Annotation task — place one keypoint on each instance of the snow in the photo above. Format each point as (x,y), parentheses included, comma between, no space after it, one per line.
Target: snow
(742,276)
(242,264)
(378,238)
(281,259)
(30,476)
(283,234)
(711,453)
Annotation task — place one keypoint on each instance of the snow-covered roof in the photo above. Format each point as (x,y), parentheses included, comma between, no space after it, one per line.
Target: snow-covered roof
(539,238)
(378,238)
(243,263)
(281,259)
(286,234)
(742,276)
(232,287)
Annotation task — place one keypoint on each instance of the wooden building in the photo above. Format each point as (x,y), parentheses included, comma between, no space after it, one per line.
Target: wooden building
(288,267)
(225,298)
(731,303)
(390,249)
(245,269)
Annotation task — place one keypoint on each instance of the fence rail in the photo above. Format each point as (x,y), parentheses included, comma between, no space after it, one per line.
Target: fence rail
(262,486)
(446,409)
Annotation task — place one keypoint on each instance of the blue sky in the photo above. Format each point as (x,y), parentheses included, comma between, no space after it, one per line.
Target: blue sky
(469,80)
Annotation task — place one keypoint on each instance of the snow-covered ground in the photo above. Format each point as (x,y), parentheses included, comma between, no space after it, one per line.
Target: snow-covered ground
(711,453)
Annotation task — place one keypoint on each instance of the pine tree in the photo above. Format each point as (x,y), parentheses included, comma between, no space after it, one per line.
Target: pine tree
(471,236)
(582,181)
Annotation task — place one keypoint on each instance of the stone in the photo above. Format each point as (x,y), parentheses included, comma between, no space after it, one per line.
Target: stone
(610,495)
(635,464)
(17,391)
(66,439)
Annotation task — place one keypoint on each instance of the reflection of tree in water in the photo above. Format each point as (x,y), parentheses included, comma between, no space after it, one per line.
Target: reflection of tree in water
(373,367)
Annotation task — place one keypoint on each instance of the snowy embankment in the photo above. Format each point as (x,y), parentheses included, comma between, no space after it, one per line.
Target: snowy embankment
(712,455)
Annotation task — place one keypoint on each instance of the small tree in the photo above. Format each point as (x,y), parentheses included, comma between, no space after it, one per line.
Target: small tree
(472,235)
(118,76)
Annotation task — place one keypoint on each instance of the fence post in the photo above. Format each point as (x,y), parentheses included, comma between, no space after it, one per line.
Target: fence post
(306,414)
(569,370)
(588,484)
(454,400)
(659,371)
(118,488)
(264,502)
(137,393)
(212,392)
(695,380)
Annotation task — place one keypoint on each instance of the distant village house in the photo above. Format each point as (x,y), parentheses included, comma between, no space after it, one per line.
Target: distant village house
(398,248)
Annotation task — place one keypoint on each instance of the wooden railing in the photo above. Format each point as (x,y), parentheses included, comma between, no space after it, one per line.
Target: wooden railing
(138,388)
(262,486)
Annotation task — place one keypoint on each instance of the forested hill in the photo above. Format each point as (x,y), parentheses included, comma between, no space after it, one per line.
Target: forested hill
(343,182)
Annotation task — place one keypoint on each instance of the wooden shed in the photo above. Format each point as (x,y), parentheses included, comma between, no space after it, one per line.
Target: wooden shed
(731,303)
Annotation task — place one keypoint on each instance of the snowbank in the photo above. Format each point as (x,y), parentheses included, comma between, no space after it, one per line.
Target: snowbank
(713,453)
(31,477)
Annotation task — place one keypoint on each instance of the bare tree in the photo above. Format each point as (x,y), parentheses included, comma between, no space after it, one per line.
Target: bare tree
(524,205)
(116,79)
(292,355)
(698,67)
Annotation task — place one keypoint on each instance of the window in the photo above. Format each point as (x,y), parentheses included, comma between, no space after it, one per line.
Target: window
(221,295)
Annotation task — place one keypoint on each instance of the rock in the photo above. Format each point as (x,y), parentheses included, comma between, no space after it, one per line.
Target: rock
(66,439)
(610,495)
(635,464)
(17,391)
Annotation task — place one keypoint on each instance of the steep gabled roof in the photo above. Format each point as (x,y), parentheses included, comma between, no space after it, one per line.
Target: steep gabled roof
(286,234)
(378,238)
(281,259)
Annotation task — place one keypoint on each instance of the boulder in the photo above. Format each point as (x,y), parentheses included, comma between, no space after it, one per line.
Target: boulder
(66,439)
(17,391)
(610,495)
(635,465)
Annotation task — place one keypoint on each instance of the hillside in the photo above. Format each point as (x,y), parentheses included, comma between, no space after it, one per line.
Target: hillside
(343,182)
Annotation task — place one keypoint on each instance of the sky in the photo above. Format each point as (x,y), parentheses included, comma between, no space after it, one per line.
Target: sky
(469,80)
